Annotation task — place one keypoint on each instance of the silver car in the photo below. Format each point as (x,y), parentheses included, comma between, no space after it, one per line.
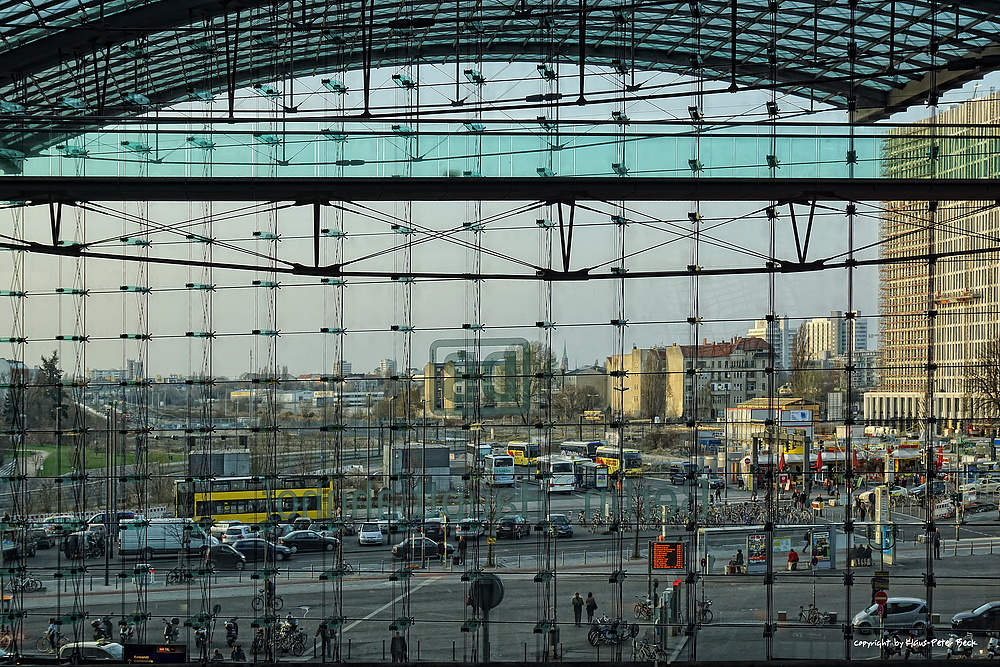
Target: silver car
(901,613)
(370,533)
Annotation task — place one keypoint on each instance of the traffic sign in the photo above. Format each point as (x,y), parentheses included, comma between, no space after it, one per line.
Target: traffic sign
(881,598)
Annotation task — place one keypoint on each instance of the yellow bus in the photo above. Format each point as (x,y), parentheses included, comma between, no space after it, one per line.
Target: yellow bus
(524,453)
(629,460)
(255,499)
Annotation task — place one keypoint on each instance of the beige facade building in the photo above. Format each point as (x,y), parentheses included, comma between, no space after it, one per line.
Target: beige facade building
(948,307)
(702,381)
(635,383)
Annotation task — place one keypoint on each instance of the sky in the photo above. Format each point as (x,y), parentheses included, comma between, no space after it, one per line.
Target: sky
(657,237)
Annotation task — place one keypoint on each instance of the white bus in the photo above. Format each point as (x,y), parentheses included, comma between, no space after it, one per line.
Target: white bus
(556,473)
(475,453)
(584,448)
(498,469)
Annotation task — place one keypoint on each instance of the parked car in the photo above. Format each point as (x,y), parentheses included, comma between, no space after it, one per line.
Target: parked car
(418,546)
(894,492)
(370,533)
(58,525)
(984,618)
(901,613)
(561,525)
(258,550)
(982,485)
(711,480)
(513,526)
(238,532)
(938,487)
(309,540)
(113,518)
(18,547)
(41,538)
(682,472)
(219,527)
(434,529)
(88,652)
(470,529)
(84,544)
(225,557)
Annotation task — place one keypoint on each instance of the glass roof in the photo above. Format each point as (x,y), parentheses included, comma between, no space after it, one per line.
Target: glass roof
(78,65)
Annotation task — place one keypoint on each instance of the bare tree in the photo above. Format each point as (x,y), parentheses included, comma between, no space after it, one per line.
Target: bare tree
(809,379)
(982,384)
(654,386)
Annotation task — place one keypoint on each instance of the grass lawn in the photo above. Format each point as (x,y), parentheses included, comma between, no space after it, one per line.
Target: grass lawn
(55,465)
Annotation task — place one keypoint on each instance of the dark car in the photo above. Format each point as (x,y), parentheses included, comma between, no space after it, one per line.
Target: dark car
(225,557)
(84,544)
(434,529)
(18,547)
(513,526)
(258,550)
(418,546)
(560,525)
(41,538)
(985,618)
(309,540)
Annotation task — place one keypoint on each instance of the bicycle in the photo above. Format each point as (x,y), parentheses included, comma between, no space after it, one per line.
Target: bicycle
(643,607)
(42,643)
(813,615)
(177,576)
(6,637)
(644,650)
(262,600)
(24,583)
(702,613)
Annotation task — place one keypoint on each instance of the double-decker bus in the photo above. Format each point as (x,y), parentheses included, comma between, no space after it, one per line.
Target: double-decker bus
(255,499)
(628,461)
(555,473)
(586,449)
(524,453)
(498,469)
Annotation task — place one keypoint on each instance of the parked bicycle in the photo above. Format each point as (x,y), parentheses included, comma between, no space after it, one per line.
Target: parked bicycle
(810,614)
(643,650)
(643,607)
(702,613)
(24,583)
(263,599)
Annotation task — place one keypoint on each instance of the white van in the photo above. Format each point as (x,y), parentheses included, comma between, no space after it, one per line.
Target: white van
(137,537)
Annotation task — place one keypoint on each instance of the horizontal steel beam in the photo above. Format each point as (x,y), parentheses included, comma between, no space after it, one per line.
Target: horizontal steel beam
(38,190)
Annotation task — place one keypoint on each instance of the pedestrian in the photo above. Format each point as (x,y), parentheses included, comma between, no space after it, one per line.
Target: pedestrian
(442,552)
(937,544)
(326,636)
(738,560)
(463,546)
(577,609)
(591,604)
(793,559)
(398,648)
(217,656)
(819,504)
(238,655)
(718,494)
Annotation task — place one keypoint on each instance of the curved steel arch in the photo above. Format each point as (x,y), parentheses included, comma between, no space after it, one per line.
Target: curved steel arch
(877,58)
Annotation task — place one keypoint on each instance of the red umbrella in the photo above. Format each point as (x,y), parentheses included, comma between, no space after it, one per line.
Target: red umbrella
(781,463)
(854,458)
(819,459)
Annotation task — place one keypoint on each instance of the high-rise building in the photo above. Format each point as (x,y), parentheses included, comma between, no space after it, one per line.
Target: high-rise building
(935,315)
(780,335)
(830,337)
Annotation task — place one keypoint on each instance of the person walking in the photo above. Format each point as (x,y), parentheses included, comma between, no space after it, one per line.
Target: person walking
(326,640)
(937,544)
(238,654)
(398,648)
(463,546)
(577,609)
(591,605)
